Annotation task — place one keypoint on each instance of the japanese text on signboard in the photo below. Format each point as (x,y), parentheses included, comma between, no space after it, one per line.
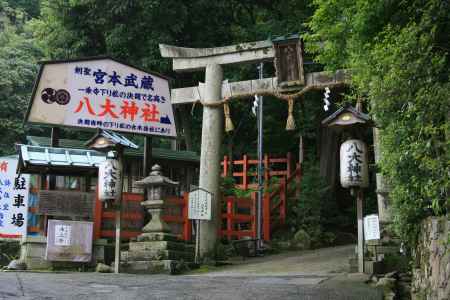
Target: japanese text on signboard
(199,205)
(353,164)
(14,191)
(109,179)
(104,94)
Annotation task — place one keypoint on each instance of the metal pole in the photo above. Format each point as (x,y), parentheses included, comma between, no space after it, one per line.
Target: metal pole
(197,242)
(118,208)
(359,212)
(260,164)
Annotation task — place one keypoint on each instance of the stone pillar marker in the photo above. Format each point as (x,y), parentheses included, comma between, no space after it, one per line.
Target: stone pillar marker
(212,128)
(156,249)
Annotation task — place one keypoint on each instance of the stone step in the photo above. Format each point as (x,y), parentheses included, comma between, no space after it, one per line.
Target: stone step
(160,245)
(157,255)
(149,267)
(156,236)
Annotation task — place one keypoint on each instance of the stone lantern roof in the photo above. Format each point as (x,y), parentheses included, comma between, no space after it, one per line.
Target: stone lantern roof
(156,178)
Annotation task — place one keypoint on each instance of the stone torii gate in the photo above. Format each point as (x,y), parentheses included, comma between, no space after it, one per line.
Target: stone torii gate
(215,93)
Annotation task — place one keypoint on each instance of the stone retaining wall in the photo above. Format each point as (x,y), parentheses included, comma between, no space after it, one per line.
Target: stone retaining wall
(431,269)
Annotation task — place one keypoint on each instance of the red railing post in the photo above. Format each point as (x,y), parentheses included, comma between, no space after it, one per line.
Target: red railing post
(244,172)
(187,232)
(225,166)
(253,212)
(266,216)
(283,191)
(230,212)
(266,171)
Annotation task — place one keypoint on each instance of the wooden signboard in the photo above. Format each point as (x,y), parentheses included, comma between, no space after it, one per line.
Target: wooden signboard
(289,62)
(69,241)
(66,203)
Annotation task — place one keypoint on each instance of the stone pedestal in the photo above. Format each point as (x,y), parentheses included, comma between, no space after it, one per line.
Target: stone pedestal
(156,250)
(156,253)
(32,252)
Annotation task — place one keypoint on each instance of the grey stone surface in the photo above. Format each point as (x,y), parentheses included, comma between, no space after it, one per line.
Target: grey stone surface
(81,286)
(316,274)
(431,275)
(209,177)
(32,252)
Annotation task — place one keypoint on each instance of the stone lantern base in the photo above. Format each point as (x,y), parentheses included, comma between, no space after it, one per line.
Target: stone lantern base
(156,253)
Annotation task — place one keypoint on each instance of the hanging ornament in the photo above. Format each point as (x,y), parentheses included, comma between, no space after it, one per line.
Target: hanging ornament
(228,123)
(325,99)
(255,105)
(290,123)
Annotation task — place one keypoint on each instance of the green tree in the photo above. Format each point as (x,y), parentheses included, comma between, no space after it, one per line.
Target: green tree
(18,65)
(398,52)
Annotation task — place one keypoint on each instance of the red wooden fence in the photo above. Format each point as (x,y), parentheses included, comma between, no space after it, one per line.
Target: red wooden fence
(238,217)
(133,216)
(246,177)
(235,222)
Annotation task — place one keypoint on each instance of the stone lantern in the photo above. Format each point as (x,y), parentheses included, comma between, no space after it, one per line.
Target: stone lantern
(158,187)
(156,250)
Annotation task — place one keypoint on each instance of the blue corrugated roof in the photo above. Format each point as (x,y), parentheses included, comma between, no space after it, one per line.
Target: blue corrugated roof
(60,157)
(157,153)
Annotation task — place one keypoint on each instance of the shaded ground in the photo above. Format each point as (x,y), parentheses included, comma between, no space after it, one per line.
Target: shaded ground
(311,275)
(324,261)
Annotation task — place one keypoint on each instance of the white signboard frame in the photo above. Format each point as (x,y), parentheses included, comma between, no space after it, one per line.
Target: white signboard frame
(102,93)
(14,193)
(371,227)
(200,205)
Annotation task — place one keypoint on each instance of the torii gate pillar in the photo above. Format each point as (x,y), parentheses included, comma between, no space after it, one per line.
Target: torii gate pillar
(212,129)
(212,59)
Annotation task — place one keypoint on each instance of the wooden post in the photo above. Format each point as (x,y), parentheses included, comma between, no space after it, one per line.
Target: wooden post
(147,155)
(359,212)
(118,213)
(298,180)
(289,164)
(266,217)
(54,142)
(98,210)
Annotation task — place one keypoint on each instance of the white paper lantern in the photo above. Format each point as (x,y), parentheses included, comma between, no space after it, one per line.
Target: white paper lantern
(353,164)
(109,174)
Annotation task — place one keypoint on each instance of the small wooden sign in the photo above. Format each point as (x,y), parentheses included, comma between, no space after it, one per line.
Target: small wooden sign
(69,241)
(371,227)
(199,205)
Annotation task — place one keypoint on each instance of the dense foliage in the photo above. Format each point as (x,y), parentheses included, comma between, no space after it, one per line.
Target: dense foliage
(398,52)
(18,64)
